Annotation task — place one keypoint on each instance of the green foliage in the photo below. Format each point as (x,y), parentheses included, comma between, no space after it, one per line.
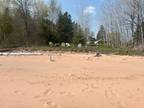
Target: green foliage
(48,31)
(38,25)
(57,33)
(79,35)
(114,39)
(102,49)
(65,27)
(101,34)
(6,24)
(79,38)
(92,40)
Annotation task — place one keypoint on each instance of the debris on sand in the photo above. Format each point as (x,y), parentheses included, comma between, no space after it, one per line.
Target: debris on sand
(51,58)
(98,55)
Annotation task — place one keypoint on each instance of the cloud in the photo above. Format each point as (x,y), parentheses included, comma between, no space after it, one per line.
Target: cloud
(90,10)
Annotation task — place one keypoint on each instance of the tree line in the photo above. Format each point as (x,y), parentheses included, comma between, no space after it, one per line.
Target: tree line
(122,23)
(33,22)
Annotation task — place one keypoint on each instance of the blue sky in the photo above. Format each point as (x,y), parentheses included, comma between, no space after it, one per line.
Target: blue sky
(92,7)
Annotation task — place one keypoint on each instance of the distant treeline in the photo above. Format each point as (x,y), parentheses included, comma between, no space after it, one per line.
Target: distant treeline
(32,22)
(123,22)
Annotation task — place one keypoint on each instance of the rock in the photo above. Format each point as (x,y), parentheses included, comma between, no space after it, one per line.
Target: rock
(68,45)
(88,43)
(79,45)
(50,44)
(63,44)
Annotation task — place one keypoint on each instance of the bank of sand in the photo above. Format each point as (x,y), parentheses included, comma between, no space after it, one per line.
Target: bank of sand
(72,81)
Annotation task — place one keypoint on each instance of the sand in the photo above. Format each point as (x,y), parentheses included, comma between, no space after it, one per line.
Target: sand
(72,81)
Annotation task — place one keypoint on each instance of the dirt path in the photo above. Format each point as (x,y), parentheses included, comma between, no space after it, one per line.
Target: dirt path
(72,81)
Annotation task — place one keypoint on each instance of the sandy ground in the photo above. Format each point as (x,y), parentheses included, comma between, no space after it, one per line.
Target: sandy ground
(72,81)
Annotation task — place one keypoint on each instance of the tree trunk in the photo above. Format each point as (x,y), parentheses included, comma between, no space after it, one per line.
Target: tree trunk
(27,32)
(142,38)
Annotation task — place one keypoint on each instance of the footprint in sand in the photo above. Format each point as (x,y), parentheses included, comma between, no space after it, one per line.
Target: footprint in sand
(16,91)
(110,93)
(86,88)
(36,97)
(51,104)
(62,92)
(47,92)
(43,97)
(19,92)
(106,94)
(93,86)
(89,87)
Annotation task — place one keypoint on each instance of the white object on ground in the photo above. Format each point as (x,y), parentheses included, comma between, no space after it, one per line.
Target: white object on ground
(50,44)
(63,44)
(88,42)
(79,45)
(18,54)
(97,42)
(68,45)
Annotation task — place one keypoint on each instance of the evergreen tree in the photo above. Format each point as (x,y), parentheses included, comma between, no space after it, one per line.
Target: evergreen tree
(101,34)
(48,31)
(65,27)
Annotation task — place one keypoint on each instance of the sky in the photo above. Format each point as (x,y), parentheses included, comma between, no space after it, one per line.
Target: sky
(91,7)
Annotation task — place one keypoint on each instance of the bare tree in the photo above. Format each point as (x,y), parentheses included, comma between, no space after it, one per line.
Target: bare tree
(125,18)
(54,10)
(84,18)
(25,8)
(113,22)
(41,9)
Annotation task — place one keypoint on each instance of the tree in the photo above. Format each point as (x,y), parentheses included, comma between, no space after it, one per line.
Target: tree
(79,36)
(65,27)
(113,39)
(5,24)
(102,34)
(33,22)
(41,10)
(126,18)
(113,21)
(137,36)
(47,32)
(24,7)
(47,18)
(92,38)
(85,18)
(54,10)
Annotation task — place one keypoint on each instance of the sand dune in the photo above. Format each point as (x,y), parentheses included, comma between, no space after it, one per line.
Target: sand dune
(71,81)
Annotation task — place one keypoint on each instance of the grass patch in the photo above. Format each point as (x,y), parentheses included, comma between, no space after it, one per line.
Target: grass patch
(92,49)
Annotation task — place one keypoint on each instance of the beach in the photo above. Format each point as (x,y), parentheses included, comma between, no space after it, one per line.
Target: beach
(71,80)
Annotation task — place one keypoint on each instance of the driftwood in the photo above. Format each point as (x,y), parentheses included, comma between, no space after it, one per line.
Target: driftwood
(19,54)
